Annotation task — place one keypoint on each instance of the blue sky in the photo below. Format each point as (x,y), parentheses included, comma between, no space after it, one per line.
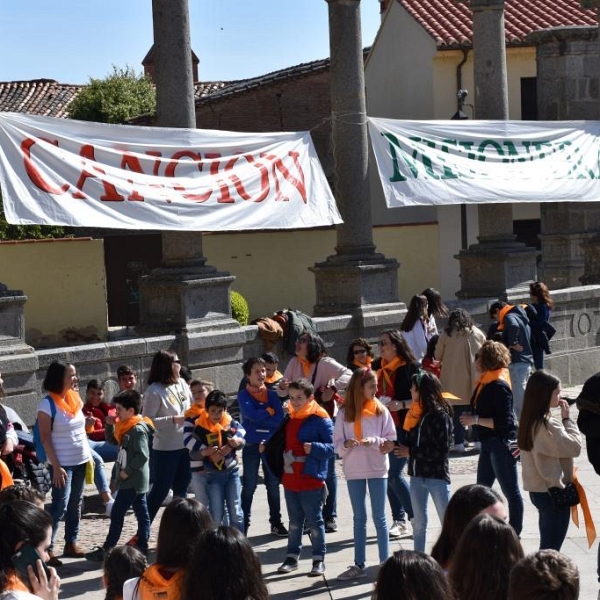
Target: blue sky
(73,40)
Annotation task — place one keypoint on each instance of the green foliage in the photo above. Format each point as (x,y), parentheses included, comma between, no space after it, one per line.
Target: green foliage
(239,308)
(27,232)
(120,96)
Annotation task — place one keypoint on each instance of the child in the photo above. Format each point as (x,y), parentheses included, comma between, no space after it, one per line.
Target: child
(126,378)
(132,433)
(261,415)
(219,436)
(200,389)
(121,564)
(22,492)
(307,450)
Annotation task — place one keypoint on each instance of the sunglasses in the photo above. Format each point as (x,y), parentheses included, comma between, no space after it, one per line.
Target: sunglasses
(177,362)
(361,351)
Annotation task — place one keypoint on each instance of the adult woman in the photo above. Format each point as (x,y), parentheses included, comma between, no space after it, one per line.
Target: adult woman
(543,304)
(427,445)
(396,367)
(68,451)
(235,571)
(484,557)
(416,328)
(436,309)
(494,422)
(23,524)
(548,446)
(364,432)
(328,377)
(360,354)
(456,349)
(165,402)
(466,503)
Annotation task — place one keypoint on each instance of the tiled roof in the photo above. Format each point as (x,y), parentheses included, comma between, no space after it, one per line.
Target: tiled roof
(450,23)
(207,88)
(44,97)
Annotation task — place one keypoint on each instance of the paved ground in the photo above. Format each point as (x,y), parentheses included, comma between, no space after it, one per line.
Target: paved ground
(81,579)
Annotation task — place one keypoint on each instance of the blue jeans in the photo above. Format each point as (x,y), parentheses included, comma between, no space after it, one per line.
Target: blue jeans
(224,487)
(330,508)
(307,506)
(66,502)
(496,462)
(170,469)
(553,522)
(100,480)
(200,486)
(398,489)
(519,374)
(358,499)
(125,499)
(107,451)
(252,460)
(420,490)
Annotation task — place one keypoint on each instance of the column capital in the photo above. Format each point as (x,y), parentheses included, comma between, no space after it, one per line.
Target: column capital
(590,3)
(484,4)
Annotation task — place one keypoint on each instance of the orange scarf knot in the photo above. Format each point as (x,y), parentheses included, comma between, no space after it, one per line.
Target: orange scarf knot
(489,376)
(370,408)
(306,365)
(122,427)
(312,408)
(71,403)
(274,378)
(502,314)
(224,424)
(194,411)
(387,368)
(361,365)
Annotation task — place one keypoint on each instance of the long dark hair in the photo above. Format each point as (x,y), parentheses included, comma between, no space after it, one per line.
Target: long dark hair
(486,552)
(403,350)
(224,566)
(459,321)
(467,502)
(415,311)
(435,304)
(430,393)
(161,370)
(536,404)
(412,575)
(315,347)
(540,292)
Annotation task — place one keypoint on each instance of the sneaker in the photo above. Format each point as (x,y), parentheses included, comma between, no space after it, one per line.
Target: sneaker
(279,529)
(318,569)
(399,529)
(353,572)
(330,526)
(133,541)
(96,555)
(458,448)
(168,499)
(289,564)
(108,506)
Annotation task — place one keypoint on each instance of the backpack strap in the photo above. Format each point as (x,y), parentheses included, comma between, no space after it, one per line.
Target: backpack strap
(52,411)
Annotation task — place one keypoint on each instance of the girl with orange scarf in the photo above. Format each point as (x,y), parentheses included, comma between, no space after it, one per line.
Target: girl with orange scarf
(68,451)
(25,528)
(360,354)
(363,435)
(494,423)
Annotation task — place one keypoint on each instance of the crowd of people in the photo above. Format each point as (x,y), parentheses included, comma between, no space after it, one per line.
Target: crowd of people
(426,395)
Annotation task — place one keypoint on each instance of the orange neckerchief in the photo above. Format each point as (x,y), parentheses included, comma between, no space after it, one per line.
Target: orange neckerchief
(415,412)
(70,404)
(387,368)
(122,427)
(274,378)
(15,584)
(502,314)
(153,579)
(369,409)
(6,479)
(306,365)
(312,408)
(590,528)
(365,365)
(259,394)
(489,376)
(204,422)
(193,412)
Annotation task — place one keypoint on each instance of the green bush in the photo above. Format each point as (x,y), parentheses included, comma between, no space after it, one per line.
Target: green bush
(239,308)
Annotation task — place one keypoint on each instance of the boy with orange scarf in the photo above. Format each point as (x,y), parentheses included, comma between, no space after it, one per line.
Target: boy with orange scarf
(132,471)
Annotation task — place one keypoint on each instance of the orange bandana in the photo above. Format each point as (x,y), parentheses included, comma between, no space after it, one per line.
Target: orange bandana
(71,403)
(306,365)
(193,412)
(369,409)
(365,365)
(387,368)
(502,314)
(204,422)
(274,378)
(259,394)
(6,479)
(312,408)
(15,584)
(122,427)
(489,376)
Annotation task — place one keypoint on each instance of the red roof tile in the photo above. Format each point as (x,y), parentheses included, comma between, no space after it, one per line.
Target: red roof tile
(450,24)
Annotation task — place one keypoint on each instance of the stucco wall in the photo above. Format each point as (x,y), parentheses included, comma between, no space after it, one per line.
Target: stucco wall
(65,285)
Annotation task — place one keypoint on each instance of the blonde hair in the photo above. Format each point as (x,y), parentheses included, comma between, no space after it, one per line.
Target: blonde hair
(355,395)
(493,355)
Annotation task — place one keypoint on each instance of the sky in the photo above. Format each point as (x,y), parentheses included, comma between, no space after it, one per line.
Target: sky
(72,41)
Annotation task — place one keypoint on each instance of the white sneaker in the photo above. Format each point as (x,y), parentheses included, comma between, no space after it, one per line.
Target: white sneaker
(353,572)
(108,506)
(168,499)
(399,529)
(458,448)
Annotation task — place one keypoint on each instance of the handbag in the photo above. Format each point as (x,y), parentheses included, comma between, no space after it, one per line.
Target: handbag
(564,497)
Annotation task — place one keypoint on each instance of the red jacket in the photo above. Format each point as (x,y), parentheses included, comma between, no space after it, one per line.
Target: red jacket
(100,413)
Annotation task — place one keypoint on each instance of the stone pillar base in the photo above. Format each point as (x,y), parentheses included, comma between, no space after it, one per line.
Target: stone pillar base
(591,260)
(495,270)
(185,299)
(356,287)
(563,262)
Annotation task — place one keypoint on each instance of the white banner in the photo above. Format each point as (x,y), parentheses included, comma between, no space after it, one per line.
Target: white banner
(64,172)
(471,162)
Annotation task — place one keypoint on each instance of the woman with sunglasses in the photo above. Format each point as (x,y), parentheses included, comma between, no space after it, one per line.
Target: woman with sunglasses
(165,402)
(327,377)
(395,368)
(360,354)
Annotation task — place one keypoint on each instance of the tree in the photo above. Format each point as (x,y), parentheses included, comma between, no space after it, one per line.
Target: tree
(120,96)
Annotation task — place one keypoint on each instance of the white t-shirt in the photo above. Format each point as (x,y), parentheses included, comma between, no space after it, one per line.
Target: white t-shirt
(129,591)
(17,595)
(68,435)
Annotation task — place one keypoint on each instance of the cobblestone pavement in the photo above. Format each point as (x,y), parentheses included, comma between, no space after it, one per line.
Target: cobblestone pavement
(82,579)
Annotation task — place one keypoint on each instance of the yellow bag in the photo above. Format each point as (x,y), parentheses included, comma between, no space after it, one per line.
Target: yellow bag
(89,472)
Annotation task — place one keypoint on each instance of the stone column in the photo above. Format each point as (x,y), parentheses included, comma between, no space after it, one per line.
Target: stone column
(498,263)
(356,279)
(184,293)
